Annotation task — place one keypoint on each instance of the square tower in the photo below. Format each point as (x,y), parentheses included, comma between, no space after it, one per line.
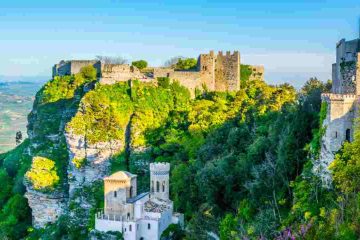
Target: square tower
(206,66)
(227,71)
(344,71)
(118,188)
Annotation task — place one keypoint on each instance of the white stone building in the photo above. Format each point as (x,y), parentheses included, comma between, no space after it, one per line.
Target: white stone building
(138,217)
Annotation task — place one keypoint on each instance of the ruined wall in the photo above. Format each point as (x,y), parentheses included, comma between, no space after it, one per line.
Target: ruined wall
(188,79)
(215,72)
(257,73)
(74,66)
(112,73)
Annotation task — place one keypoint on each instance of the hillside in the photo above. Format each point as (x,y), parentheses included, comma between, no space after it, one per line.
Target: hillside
(239,160)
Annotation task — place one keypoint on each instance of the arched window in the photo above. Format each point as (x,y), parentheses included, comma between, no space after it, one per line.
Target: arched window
(149,226)
(128,216)
(115,194)
(163,186)
(152,186)
(157,186)
(335,134)
(348,136)
(131,191)
(130,227)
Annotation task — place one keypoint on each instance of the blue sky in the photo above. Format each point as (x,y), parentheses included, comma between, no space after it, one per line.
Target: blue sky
(292,39)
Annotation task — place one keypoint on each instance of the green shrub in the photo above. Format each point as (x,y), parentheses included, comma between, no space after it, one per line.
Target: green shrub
(43,175)
(79,162)
(141,64)
(88,72)
(186,64)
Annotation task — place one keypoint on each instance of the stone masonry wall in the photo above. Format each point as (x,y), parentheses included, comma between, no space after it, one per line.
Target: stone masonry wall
(341,111)
(112,73)
(216,72)
(227,72)
(206,66)
(358,75)
(348,75)
(257,72)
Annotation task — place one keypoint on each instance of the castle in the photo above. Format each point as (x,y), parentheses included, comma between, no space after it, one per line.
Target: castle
(215,72)
(144,216)
(342,103)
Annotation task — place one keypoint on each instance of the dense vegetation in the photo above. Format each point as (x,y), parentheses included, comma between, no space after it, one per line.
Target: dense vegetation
(241,162)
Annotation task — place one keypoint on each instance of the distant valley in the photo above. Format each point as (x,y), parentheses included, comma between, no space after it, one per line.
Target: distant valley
(16,99)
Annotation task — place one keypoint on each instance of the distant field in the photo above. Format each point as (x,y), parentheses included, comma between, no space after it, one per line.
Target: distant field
(16,99)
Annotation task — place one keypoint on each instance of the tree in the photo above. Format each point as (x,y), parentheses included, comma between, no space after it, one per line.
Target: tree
(112,60)
(42,174)
(141,64)
(18,137)
(186,64)
(172,61)
(88,72)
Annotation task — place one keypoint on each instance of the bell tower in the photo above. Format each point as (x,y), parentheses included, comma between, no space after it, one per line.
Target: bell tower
(159,180)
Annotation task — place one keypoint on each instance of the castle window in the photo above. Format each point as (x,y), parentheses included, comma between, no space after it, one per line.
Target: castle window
(157,186)
(115,194)
(128,216)
(152,186)
(131,191)
(130,227)
(348,136)
(335,134)
(149,226)
(163,186)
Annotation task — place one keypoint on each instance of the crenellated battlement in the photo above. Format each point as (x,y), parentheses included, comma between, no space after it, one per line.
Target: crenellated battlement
(337,96)
(159,167)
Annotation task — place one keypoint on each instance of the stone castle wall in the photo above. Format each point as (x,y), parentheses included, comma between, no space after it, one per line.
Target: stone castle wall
(215,72)
(73,67)
(112,73)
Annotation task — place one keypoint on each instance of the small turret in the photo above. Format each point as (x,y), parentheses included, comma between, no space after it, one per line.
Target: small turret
(159,180)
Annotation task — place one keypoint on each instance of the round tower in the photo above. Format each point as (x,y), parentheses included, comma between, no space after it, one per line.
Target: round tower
(159,180)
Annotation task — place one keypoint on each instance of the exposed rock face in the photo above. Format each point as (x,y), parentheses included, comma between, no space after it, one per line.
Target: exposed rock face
(46,208)
(96,164)
(326,154)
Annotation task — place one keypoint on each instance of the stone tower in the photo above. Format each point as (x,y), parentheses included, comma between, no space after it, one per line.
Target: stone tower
(206,67)
(227,71)
(220,72)
(118,187)
(159,180)
(342,104)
